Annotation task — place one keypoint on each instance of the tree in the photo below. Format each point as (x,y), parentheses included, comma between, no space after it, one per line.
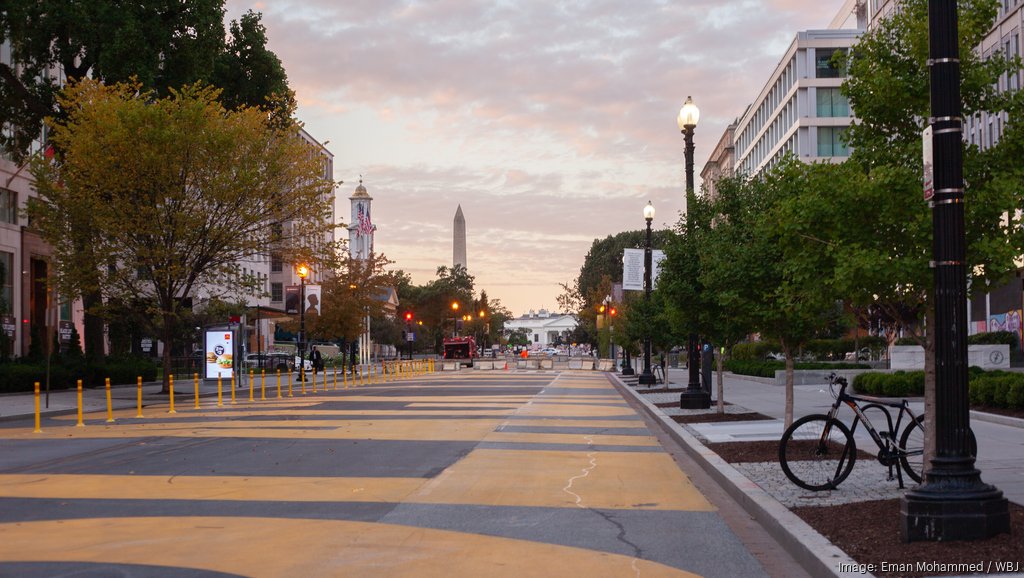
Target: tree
(351,295)
(888,87)
(176,190)
(160,44)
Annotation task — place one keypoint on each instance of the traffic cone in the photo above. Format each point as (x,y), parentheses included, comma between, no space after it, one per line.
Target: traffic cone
(506,366)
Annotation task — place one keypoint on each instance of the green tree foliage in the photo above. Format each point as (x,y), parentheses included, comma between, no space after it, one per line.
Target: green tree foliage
(889,89)
(162,44)
(355,292)
(174,192)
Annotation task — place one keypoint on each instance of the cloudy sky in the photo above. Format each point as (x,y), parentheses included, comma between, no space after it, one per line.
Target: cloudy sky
(552,122)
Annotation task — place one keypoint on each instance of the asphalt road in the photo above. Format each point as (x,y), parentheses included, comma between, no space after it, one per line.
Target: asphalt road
(468,474)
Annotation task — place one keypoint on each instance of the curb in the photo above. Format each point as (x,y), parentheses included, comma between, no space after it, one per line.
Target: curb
(811,550)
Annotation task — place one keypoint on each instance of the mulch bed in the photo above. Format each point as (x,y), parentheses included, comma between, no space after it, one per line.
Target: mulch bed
(720,417)
(869,532)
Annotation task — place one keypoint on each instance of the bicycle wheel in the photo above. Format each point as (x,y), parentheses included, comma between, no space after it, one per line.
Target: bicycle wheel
(817,452)
(912,448)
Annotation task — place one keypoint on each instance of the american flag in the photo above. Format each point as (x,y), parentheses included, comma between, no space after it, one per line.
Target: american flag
(364,226)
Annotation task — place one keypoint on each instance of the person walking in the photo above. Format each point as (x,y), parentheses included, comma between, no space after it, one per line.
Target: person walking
(316,359)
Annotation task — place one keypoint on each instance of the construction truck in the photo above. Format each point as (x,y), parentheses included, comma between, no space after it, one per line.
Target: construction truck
(462,349)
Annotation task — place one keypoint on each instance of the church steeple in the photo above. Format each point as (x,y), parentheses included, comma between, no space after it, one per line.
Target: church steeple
(361,227)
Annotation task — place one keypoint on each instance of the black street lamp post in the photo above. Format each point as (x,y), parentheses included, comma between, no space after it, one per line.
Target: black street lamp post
(302,271)
(952,503)
(694,397)
(647,378)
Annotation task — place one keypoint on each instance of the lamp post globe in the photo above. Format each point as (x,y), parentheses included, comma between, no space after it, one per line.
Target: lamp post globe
(646,377)
(694,397)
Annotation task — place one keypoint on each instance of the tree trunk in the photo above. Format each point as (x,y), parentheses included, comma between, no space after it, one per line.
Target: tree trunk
(93,338)
(721,385)
(789,384)
(929,387)
(168,338)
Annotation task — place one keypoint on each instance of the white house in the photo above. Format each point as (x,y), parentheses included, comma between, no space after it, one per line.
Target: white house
(544,328)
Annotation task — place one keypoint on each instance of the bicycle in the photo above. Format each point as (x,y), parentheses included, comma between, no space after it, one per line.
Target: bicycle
(818,451)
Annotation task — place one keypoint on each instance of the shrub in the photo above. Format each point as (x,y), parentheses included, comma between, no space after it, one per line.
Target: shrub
(20,375)
(754,350)
(898,384)
(994,338)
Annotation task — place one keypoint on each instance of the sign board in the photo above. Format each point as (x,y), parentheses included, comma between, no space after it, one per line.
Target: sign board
(291,299)
(146,344)
(64,329)
(219,353)
(9,324)
(633,268)
(410,336)
(927,162)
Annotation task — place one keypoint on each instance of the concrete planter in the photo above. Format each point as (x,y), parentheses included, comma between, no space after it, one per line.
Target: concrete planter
(450,366)
(483,365)
(983,356)
(547,364)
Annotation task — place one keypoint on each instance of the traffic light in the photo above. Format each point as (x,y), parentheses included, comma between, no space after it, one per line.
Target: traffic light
(600,309)
(612,312)
(408,316)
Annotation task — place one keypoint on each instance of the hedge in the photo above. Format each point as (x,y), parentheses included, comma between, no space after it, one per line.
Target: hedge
(20,376)
(992,388)
(898,384)
(768,368)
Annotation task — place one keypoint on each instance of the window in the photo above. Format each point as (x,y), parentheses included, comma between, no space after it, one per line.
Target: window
(277,292)
(8,207)
(832,103)
(824,67)
(831,142)
(276,263)
(6,282)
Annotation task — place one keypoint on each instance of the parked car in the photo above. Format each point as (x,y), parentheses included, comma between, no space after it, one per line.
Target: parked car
(273,360)
(549,351)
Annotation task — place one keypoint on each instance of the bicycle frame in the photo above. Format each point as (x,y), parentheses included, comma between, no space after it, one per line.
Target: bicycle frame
(888,450)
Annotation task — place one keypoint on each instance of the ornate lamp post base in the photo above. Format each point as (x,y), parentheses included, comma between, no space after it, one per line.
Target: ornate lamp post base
(972,514)
(694,399)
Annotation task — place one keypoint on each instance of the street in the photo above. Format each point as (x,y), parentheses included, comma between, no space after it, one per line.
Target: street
(469,474)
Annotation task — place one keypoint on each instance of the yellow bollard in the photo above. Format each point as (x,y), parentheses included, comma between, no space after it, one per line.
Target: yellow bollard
(335,366)
(325,378)
(138,388)
(170,386)
(195,376)
(232,387)
(314,380)
(359,368)
(263,385)
(278,384)
(251,386)
(289,384)
(302,377)
(110,403)
(220,394)
(38,416)
(344,376)
(80,422)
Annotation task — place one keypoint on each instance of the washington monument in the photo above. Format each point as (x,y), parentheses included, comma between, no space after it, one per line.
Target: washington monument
(459,240)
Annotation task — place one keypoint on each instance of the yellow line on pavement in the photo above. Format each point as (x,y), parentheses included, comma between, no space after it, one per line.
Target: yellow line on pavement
(254,546)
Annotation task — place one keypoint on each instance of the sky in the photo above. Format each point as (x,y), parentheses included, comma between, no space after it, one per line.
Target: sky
(551,122)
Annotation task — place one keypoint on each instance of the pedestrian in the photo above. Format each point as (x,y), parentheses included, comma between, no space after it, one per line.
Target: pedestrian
(316,358)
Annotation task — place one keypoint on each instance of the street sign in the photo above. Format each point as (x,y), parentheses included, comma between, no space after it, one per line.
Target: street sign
(410,336)
(926,157)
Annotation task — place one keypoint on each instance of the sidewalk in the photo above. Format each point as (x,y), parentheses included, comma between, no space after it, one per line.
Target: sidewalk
(65,401)
(764,490)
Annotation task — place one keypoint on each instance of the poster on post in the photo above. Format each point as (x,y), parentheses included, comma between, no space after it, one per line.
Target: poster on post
(219,352)
(633,268)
